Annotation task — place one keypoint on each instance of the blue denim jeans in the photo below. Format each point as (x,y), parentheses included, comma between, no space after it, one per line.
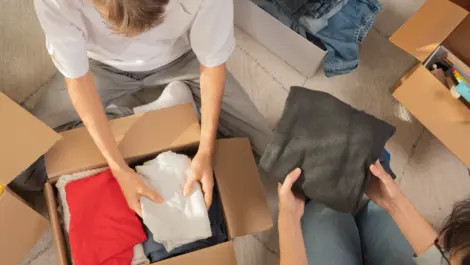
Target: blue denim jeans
(290,13)
(313,8)
(313,25)
(344,32)
(372,237)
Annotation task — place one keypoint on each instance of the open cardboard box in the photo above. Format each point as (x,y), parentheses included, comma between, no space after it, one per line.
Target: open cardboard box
(437,22)
(292,48)
(23,139)
(140,137)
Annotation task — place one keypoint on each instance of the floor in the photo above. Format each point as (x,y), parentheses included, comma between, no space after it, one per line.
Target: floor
(427,172)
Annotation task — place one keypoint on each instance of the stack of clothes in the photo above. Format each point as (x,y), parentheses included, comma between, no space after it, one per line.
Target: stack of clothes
(339,24)
(100,228)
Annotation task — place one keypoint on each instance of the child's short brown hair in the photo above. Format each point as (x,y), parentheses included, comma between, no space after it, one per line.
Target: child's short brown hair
(132,17)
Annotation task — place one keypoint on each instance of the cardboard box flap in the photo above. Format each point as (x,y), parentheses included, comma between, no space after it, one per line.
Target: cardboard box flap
(432,104)
(157,131)
(166,128)
(20,228)
(243,199)
(428,28)
(458,41)
(23,139)
(56,225)
(221,254)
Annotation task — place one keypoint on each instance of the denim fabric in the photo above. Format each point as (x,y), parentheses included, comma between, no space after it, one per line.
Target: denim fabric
(313,8)
(318,10)
(313,25)
(339,24)
(371,237)
(273,8)
(384,160)
(156,251)
(344,32)
(292,6)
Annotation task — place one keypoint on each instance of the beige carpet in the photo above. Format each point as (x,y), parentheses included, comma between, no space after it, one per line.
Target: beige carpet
(429,174)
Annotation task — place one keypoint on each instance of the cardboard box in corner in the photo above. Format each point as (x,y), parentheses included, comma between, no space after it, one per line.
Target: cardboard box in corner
(437,22)
(23,139)
(140,137)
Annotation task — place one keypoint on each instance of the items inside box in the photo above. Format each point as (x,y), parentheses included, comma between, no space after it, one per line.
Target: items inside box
(451,72)
(148,250)
(337,26)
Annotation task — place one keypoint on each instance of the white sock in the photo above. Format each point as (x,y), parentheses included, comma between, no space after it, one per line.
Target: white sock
(174,93)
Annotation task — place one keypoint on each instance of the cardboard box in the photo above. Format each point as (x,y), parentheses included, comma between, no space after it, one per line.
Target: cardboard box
(23,139)
(436,22)
(294,49)
(140,137)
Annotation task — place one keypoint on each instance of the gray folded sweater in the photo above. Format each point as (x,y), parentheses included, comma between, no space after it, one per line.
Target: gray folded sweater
(333,143)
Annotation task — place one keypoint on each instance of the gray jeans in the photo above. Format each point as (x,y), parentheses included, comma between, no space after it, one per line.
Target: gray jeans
(239,117)
(372,237)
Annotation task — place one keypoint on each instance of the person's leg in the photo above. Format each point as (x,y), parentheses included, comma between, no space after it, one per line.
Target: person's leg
(55,108)
(239,117)
(383,243)
(330,237)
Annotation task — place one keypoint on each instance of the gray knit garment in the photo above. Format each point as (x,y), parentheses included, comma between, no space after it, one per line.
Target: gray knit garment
(333,143)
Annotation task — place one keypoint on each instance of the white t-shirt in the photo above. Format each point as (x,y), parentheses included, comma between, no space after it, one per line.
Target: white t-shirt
(180,219)
(76,31)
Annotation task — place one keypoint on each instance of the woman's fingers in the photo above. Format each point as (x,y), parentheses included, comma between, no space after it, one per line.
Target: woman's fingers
(291,179)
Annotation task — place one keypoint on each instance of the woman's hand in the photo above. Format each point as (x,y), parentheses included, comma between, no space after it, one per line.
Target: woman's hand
(382,189)
(291,207)
(133,187)
(201,170)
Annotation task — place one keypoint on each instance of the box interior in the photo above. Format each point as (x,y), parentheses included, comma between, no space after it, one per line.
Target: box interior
(235,170)
(458,42)
(53,195)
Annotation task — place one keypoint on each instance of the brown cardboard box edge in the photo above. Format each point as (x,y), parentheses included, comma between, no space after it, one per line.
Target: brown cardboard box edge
(23,139)
(219,254)
(77,151)
(447,118)
(426,29)
(436,22)
(234,169)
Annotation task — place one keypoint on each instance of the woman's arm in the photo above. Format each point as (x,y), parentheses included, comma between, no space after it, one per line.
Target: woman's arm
(291,209)
(87,103)
(212,90)
(387,194)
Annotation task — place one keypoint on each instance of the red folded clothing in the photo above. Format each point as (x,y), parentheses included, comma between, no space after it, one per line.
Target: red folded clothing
(103,229)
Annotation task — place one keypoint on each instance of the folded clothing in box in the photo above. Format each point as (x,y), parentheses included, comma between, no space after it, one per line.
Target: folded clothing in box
(180,219)
(333,143)
(157,252)
(138,258)
(95,188)
(103,229)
